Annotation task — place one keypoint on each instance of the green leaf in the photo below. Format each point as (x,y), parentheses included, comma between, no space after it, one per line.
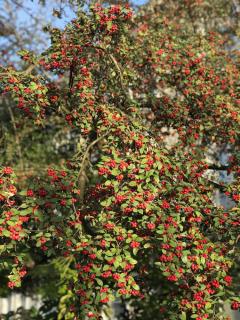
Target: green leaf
(99,282)
(132,183)
(6,233)
(208,305)
(183,316)
(147,245)
(33,85)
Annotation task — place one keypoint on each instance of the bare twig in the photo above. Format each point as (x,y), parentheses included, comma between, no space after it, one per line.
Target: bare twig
(217,168)
(117,66)
(87,153)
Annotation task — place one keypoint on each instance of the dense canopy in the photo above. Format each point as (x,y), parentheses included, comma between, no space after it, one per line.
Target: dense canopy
(110,164)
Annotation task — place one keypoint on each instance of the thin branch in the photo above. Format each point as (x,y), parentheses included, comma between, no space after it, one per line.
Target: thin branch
(119,71)
(217,168)
(217,185)
(24,72)
(87,152)
(117,66)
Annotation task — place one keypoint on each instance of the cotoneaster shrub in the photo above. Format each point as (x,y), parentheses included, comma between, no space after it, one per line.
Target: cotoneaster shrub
(129,217)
